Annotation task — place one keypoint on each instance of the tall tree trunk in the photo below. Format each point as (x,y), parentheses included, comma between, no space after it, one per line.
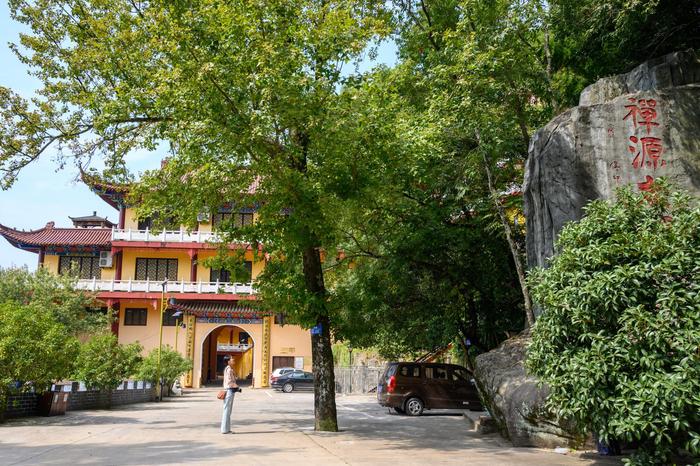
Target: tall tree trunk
(325,413)
(514,249)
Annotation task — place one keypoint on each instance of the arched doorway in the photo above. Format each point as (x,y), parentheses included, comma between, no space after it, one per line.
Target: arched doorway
(226,340)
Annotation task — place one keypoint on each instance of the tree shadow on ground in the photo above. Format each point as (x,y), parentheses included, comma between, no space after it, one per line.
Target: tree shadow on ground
(163,452)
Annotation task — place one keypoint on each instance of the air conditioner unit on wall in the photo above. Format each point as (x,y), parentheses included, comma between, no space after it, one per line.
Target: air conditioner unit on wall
(105,259)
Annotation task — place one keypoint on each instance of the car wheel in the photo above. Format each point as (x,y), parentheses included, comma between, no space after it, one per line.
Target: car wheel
(288,388)
(414,407)
(399,411)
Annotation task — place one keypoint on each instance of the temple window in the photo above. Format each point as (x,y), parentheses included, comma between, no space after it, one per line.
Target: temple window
(149,223)
(234,219)
(156,269)
(224,276)
(135,316)
(86,267)
(169,320)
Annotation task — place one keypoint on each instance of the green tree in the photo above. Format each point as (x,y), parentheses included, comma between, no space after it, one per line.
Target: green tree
(173,365)
(238,90)
(78,311)
(596,38)
(35,350)
(618,339)
(103,363)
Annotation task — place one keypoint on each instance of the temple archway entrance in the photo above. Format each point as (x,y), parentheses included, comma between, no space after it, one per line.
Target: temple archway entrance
(226,340)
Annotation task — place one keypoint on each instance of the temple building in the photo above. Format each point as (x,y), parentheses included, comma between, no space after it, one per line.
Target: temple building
(136,271)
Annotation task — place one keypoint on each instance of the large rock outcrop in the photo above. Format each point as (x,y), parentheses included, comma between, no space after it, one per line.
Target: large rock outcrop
(627,130)
(516,402)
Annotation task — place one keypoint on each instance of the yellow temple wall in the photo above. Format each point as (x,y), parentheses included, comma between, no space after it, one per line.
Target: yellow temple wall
(107,273)
(291,340)
(288,340)
(129,257)
(244,364)
(51,263)
(148,335)
(205,227)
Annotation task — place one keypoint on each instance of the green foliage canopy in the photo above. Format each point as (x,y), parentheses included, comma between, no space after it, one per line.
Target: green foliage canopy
(173,365)
(35,350)
(618,339)
(103,363)
(76,310)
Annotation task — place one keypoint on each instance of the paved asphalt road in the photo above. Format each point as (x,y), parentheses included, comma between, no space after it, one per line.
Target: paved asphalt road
(270,428)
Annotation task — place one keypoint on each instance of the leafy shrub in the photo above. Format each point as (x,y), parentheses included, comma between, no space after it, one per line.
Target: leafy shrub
(33,348)
(172,366)
(78,311)
(618,340)
(103,363)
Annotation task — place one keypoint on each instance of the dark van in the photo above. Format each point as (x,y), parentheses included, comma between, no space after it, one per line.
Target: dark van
(411,387)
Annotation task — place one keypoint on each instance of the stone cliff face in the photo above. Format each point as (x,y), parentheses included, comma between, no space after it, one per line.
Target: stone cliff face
(627,130)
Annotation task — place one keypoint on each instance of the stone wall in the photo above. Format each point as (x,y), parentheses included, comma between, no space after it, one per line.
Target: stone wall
(22,405)
(26,404)
(94,399)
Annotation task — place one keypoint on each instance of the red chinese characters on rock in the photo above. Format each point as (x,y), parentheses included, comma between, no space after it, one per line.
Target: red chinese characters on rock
(644,110)
(646,148)
(649,154)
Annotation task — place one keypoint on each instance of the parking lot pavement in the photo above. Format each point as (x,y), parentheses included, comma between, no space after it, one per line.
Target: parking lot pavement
(270,428)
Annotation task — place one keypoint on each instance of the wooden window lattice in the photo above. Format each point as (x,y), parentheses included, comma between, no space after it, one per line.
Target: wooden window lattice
(88,267)
(156,269)
(135,316)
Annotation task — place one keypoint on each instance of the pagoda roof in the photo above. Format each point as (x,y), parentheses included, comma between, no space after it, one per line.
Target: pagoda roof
(211,309)
(113,194)
(34,240)
(89,218)
(94,218)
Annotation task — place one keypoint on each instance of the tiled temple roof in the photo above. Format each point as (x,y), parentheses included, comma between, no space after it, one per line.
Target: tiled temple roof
(33,240)
(113,194)
(212,309)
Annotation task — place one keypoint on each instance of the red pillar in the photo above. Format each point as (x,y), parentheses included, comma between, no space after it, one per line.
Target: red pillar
(117,264)
(42,252)
(193,265)
(122,217)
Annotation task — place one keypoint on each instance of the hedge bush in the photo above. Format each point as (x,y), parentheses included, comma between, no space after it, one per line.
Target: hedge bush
(618,341)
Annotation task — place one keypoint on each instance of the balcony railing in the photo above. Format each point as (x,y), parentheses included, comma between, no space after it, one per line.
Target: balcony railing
(232,347)
(163,236)
(147,286)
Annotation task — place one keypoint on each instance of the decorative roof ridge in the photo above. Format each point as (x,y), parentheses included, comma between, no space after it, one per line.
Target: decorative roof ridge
(93,180)
(49,235)
(112,193)
(49,226)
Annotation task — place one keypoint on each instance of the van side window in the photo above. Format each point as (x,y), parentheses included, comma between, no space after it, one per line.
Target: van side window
(439,373)
(460,375)
(410,371)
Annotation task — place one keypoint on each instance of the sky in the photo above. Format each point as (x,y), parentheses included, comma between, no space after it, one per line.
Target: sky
(43,192)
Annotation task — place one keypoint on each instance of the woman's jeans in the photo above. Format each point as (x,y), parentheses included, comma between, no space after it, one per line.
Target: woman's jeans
(228,405)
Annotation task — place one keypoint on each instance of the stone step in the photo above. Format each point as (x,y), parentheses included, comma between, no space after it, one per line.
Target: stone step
(480,422)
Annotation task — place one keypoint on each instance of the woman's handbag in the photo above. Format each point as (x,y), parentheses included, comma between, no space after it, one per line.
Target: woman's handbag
(221,395)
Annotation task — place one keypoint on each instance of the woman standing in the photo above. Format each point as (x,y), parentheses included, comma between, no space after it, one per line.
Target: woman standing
(229,386)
